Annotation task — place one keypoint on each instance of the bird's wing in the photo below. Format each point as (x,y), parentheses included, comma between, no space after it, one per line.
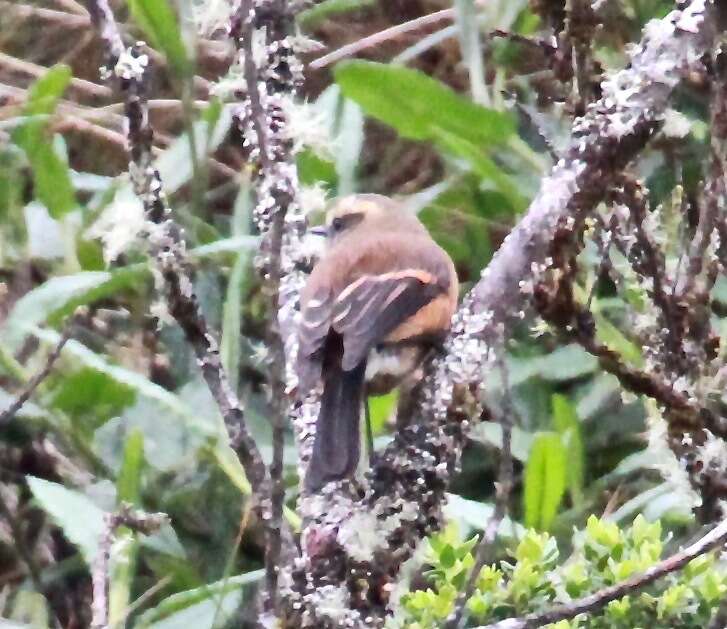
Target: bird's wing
(315,324)
(368,309)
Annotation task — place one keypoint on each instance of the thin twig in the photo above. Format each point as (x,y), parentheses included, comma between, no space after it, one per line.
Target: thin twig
(598,600)
(503,488)
(146,595)
(648,258)
(167,244)
(24,11)
(380,37)
(580,25)
(272,153)
(580,327)
(36,380)
(139,521)
(33,69)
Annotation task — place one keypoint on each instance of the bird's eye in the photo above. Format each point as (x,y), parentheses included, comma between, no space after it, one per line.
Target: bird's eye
(337,224)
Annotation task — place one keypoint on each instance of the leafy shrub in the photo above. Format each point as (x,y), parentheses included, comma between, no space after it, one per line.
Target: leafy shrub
(532,580)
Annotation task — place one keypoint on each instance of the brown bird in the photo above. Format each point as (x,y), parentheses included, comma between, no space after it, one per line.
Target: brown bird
(380,297)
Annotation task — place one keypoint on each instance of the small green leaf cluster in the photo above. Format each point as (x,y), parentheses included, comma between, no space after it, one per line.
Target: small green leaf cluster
(532,580)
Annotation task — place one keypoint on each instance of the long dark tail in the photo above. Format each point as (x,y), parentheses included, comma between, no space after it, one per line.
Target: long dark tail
(337,445)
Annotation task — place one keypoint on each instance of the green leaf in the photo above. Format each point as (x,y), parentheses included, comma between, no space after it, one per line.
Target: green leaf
(11,187)
(482,165)
(471,48)
(420,107)
(380,409)
(566,363)
(135,381)
(476,515)
(545,480)
(159,22)
(45,93)
(198,607)
(313,169)
(51,175)
(565,421)
(244,244)
(490,433)
(88,397)
(53,300)
(128,482)
(123,565)
(34,307)
(312,17)
(237,287)
(345,129)
(80,520)
(447,556)
(175,162)
(610,335)
(120,279)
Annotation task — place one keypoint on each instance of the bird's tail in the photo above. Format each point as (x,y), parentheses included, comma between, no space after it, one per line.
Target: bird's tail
(337,445)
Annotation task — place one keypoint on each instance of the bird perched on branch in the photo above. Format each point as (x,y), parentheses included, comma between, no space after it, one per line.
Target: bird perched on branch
(380,297)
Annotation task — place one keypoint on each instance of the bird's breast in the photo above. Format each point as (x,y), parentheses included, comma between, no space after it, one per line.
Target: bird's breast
(388,365)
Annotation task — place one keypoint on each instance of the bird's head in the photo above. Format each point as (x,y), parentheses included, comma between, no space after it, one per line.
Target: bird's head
(356,212)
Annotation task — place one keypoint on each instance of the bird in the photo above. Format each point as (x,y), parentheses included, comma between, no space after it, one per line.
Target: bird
(379,299)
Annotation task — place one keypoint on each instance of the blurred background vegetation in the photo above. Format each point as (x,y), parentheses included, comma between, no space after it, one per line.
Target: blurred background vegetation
(462,119)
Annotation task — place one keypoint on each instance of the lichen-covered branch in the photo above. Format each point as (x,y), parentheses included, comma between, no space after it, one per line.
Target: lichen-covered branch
(129,66)
(358,536)
(263,33)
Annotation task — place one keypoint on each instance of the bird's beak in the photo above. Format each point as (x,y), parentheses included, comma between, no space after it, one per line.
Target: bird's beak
(318,230)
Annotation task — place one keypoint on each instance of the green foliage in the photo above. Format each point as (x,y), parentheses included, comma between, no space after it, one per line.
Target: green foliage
(381,407)
(545,480)
(535,579)
(51,176)
(124,414)
(77,516)
(200,607)
(565,421)
(421,108)
(313,16)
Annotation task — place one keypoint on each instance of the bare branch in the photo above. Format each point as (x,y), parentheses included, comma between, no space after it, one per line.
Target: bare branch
(382,36)
(36,380)
(272,80)
(28,68)
(598,600)
(25,11)
(503,489)
(135,520)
